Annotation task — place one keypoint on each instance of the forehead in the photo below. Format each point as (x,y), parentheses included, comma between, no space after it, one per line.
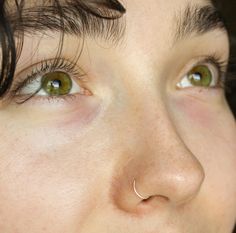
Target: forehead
(156,19)
(171,19)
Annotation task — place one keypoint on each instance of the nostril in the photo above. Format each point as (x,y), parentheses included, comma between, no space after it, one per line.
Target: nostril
(156,198)
(147,200)
(151,204)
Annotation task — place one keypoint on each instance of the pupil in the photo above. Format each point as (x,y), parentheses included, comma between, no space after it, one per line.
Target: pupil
(56,84)
(200,76)
(197,76)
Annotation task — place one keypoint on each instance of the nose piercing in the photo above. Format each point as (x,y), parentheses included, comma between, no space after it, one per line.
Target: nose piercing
(136,192)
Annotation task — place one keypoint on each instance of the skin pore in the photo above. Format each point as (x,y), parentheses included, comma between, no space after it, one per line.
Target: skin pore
(67,165)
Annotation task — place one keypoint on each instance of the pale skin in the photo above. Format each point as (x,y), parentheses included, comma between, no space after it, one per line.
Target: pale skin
(69,166)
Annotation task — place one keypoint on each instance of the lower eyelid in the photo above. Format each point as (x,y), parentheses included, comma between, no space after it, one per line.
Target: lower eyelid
(51,103)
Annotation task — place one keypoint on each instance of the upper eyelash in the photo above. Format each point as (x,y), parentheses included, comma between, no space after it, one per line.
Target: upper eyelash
(65,65)
(216,60)
(221,66)
(44,67)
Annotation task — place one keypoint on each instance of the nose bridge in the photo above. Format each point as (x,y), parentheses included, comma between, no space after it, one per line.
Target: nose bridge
(167,156)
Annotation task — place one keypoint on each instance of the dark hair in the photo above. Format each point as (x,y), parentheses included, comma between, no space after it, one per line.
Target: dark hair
(227,9)
(13,26)
(8,51)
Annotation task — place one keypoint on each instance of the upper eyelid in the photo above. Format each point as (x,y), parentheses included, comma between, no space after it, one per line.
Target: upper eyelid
(212,62)
(219,64)
(48,65)
(214,59)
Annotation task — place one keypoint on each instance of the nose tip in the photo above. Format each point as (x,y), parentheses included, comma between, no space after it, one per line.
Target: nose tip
(178,185)
(152,186)
(184,185)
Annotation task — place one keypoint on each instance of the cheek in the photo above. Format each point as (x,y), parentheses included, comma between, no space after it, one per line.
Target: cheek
(45,170)
(209,131)
(196,112)
(54,187)
(208,127)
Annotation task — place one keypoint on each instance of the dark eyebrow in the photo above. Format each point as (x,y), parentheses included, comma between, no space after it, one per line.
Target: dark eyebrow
(97,18)
(198,20)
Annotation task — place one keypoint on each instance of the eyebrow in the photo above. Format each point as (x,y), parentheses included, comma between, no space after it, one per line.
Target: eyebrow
(100,18)
(197,20)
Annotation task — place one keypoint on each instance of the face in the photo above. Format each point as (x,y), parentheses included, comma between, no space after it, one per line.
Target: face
(145,114)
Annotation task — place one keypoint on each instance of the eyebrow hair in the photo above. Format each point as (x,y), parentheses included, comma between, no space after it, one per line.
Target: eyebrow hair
(95,18)
(197,20)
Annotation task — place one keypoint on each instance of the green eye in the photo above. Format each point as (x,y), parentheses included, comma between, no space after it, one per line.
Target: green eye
(200,76)
(56,83)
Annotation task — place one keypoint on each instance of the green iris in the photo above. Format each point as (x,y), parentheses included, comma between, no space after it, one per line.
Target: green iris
(200,76)
(56,83)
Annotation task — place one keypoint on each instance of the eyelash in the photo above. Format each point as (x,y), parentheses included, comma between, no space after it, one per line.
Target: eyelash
(61,64)
(47,66)
(221,67)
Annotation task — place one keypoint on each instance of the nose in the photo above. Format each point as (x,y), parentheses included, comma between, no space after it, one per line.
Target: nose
(159,170)
(176,177)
